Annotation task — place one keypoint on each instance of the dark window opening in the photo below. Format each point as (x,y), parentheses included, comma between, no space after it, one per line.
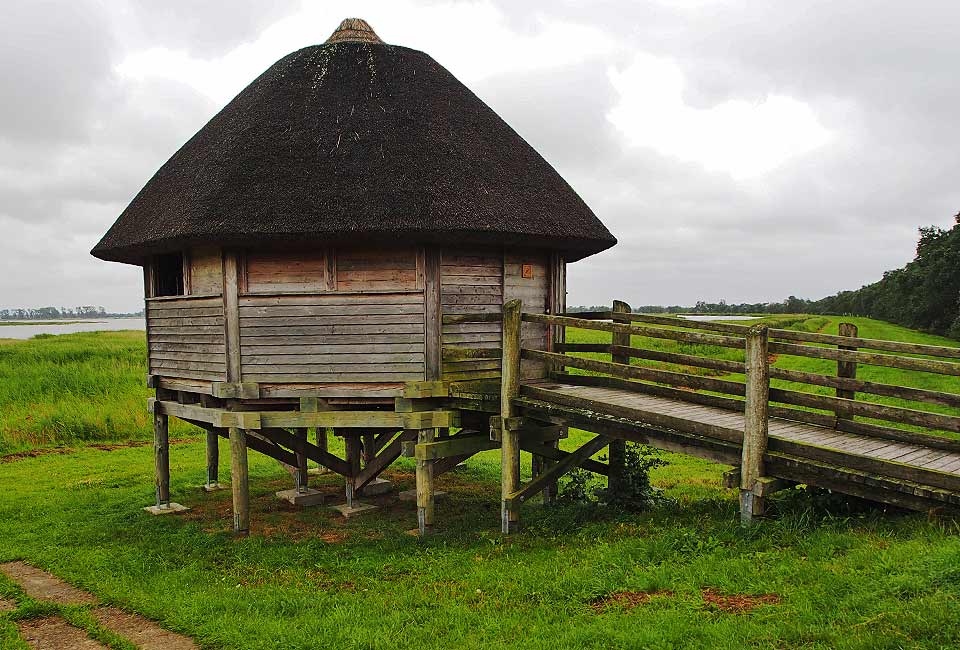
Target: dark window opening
(168,275)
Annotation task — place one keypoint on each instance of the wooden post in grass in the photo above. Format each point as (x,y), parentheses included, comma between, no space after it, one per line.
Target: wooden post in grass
(240,482)
(301,476)
(213,459)
(161,445)
(351,444)
(425,496)
(846,369)
(368,442)
(618,448)
(510,438)
(755,422)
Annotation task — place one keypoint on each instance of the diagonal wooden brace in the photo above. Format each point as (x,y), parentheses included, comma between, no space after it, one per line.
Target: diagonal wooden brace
(565,464)
(314,453)
(381,461)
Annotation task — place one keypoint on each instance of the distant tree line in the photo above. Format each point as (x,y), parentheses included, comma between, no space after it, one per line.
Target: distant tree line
(61,313)
(923,295)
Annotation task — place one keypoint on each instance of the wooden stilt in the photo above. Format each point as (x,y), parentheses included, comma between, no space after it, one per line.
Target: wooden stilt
(425,492)
(301,475)
(240,481)
(510,439)
(213,460)
(369,451)
(755,423)
(352,447)
(161,441)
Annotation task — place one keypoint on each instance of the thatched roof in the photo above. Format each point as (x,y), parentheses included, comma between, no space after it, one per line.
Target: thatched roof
(356,141)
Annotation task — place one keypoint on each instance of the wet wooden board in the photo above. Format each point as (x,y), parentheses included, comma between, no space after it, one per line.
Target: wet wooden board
(902,453)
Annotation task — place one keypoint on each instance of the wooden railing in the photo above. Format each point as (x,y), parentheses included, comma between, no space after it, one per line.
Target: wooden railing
(845,410)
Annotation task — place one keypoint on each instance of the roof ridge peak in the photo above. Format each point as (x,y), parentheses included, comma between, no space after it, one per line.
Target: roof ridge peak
(354,30)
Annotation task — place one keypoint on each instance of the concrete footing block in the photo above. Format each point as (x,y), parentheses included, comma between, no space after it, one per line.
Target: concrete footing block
(214,487)
(167,509)
(305,498)
(376,487)
(318,471)
(358,508)
(411,495)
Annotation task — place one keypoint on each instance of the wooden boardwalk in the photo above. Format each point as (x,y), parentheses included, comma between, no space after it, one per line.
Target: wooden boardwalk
(686,416)
(775,435)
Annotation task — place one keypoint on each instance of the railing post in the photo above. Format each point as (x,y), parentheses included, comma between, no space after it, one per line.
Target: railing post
(846,370)
(510,439)
(755,422)
(618,447)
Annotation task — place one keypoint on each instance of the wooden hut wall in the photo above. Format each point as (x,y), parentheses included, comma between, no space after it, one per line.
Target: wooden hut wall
(471,281)
(185,334)
(527,276)
(350,315)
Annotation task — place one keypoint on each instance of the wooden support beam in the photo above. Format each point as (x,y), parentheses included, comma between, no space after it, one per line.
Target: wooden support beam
(231,314)
(755,422)
(213,459)
(425,496)
(432,315)
(420,389)
(563,465)
(300,476)
(161,447)
(239,477)
(386,455)
(456,446)
(618,447)
(510,439)
(550,452)
(316,454)
(352,451)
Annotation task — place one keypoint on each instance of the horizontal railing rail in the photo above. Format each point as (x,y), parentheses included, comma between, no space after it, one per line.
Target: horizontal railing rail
(844,410)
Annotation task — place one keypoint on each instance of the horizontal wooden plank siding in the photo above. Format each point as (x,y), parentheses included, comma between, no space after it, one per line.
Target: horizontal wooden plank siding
(286,271)
(206,271)
(372,270)
(186,338)
(334,337)
(533,292)
(471,282)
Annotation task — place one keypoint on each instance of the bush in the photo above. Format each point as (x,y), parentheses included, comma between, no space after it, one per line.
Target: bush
(581,486)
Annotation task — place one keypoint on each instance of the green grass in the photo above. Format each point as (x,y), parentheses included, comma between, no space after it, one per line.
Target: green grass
(75,388)
(308,579)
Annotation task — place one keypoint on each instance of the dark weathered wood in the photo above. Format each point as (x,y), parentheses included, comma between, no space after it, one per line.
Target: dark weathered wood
(620,350)
(432,313)
(510,389)
(846,369)
(638,372)
(239,477)
(351,444)
(873,388)
(213,458)
(755,422)
(550,451)
(868,344)
(231,313)
(425,496)
(161,444)
(455,446)
(677,358)
(389,453)
(284,438)
(869,358)
(301,477)
(674,335)
(562,466)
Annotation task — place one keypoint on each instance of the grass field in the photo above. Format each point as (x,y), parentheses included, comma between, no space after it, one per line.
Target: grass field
(684,575)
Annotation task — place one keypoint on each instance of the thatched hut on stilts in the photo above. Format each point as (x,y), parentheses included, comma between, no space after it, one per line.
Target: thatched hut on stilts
(331,252)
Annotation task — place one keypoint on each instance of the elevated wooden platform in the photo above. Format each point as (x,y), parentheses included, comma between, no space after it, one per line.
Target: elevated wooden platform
(912,475)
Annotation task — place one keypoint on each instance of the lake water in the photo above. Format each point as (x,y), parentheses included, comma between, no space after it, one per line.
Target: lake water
(710,317)
(53,327)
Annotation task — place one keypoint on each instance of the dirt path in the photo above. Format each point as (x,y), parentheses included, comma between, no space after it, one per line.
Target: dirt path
(142,631)
(54,633)
(41,585)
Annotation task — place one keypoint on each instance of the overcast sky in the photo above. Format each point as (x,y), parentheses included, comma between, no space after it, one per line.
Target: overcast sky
(739,150)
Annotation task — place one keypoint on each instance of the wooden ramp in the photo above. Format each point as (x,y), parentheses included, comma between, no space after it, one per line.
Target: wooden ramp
(719,394)
(907,474)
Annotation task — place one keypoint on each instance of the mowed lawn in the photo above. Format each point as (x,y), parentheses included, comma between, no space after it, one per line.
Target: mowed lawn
(684,575)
